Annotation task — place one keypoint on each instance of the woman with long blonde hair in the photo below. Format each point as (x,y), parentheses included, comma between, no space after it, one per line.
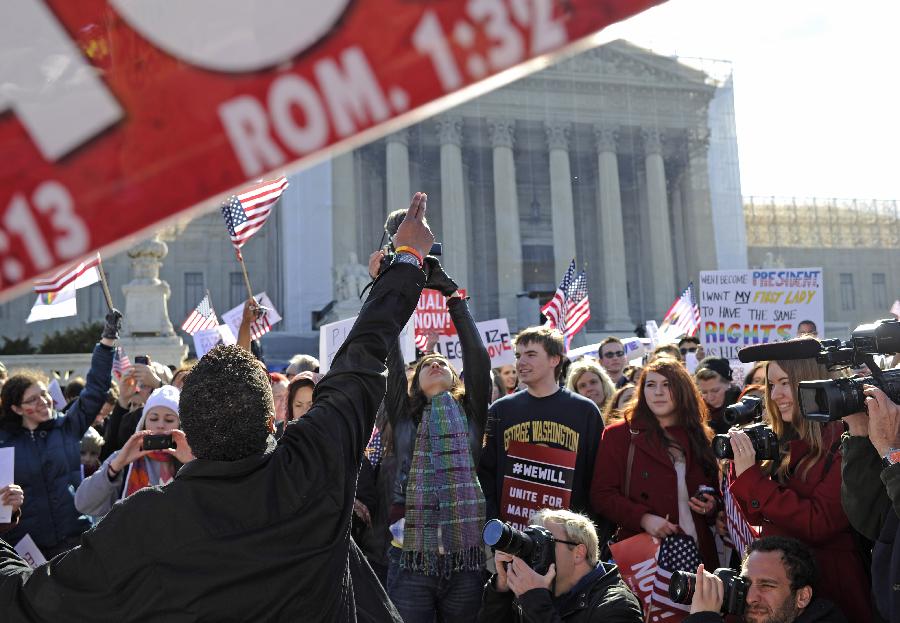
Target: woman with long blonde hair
(799,495)
(587,378)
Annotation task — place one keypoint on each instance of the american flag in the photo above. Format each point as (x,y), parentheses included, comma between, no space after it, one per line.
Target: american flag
(569,309)
(259,328)
(68,274)
(677,552)
(121,363)
(683,317)
(247,212)
(421,341)
(203,317)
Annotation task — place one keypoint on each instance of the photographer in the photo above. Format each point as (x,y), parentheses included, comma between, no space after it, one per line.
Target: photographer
(577,586)
(800,495)
(870,491)
(250,530)
(436,505)
(782,574)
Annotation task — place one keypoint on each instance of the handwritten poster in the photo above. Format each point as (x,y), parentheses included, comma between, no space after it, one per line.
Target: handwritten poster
(744,307)
(496,338)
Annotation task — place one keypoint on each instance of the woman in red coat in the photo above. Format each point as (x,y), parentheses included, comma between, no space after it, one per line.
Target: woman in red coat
(800,495)
(666,424)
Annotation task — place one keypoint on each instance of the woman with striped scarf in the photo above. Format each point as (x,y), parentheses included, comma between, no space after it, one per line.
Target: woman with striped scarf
(437,508)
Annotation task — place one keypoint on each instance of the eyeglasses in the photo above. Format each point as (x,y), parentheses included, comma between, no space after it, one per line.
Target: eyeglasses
(565,542)
(685,351)
(43,396)
(613,353)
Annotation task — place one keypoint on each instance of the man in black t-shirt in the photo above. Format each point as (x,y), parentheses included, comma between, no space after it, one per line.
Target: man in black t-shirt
(544,415)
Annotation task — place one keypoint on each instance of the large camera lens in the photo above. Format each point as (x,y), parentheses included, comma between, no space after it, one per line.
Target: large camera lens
(681,587)
(721,447)
(504,537)
(743,412)
(830,400)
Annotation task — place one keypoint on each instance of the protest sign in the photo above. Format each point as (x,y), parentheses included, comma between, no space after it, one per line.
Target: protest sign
(634,347)
(206,340)
(153,107)
(739,529)
(28,550)
(743,307)
(536,477)
(7,463)
(232,317)
(432,315)
(636,559)
(333,334)
(496,338)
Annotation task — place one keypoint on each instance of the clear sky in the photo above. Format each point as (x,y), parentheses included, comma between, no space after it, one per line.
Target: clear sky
(817,87)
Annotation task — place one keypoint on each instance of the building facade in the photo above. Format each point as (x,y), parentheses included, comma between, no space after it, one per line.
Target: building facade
(618,157)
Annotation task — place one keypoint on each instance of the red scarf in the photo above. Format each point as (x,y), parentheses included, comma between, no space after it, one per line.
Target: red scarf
(139,476)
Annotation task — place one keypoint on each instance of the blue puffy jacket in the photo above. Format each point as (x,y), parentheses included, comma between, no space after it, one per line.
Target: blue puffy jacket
(48,463)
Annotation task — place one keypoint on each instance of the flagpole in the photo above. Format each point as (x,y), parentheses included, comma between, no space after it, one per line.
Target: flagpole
(103,283)
(240,259)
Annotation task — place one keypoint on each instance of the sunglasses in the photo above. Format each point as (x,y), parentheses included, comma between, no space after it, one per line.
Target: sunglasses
(613,353)
(685,351)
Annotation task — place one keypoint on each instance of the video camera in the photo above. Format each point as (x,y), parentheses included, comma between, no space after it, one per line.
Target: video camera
(534,545)
(828,400)
(683,583)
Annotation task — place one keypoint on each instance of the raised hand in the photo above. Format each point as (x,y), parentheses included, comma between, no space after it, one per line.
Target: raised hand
(414,231)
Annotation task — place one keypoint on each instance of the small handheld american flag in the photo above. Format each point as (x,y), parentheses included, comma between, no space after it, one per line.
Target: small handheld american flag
(569,309)
(203,317)
(678,552)
(683,317)
(246,213)
(121,363)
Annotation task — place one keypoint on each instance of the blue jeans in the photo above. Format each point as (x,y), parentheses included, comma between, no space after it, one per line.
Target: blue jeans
(423,598)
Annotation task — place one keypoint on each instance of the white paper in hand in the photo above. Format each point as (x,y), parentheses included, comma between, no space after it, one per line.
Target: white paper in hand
(28,550)
(7,462)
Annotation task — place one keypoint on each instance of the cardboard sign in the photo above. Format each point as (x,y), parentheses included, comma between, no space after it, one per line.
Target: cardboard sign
(28,550)
(333,335)
(233,316)
(432,315)
(744,307)
(496,338)
(151,107)
(208,339)
(536,477)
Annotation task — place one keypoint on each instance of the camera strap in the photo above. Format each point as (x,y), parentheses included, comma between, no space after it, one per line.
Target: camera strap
(629,462)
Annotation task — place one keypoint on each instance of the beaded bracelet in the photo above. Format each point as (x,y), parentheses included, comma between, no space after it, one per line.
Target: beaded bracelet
(411,251)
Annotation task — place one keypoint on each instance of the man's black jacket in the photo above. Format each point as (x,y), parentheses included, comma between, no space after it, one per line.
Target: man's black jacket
(265,538)
(607,600)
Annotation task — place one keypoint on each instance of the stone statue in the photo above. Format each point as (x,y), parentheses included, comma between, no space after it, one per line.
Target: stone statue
(350,279)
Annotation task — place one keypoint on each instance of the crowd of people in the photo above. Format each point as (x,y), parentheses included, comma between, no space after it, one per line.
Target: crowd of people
(219,491)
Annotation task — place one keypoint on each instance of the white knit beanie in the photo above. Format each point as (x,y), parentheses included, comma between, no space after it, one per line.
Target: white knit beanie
(165,396)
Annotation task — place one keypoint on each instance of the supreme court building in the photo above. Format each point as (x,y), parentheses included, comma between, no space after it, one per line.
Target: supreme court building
(619,157)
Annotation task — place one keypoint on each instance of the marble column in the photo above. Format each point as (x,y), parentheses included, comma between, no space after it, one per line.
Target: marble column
(611,236)
(343,213)
(397,177)
(453,200)
(506,215)
(700,236)
(659,229)
(561,202)
(678,233)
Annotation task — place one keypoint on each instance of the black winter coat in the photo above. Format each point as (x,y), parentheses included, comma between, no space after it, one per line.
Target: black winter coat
(607,600)
(264,538)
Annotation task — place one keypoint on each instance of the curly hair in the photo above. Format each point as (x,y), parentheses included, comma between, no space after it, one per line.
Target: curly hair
(226,405)
(12,393)
(799,562)
(418,399)
(692,412)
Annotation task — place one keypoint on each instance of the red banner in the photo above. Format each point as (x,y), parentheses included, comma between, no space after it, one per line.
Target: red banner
(636,559)
(432,316)
(121,114)
(536,477)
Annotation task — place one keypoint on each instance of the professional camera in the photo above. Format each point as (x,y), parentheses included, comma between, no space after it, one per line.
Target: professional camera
(763,438)
(828,400)
(534,545)
(749,409)
(681,589)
